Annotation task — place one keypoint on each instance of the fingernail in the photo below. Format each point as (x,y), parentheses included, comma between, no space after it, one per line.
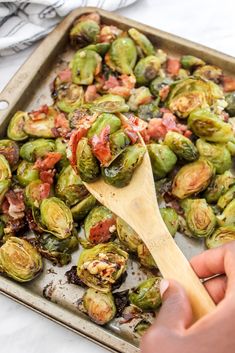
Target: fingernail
(164,284)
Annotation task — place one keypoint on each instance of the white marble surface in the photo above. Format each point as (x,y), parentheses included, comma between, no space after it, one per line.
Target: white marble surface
(209,22)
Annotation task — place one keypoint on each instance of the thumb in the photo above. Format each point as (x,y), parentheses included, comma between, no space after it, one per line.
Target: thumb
(176,311)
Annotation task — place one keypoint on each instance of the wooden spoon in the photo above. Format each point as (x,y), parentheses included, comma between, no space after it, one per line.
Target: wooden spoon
(137,205)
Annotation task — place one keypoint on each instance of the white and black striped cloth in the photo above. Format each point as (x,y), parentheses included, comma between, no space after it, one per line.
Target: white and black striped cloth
(23,22)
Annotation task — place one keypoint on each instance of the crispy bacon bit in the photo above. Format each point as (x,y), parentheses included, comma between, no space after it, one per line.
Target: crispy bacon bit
(173,66)
(47,176)
(62,125)
(132,126)
(163,93)
(15,204)
(48,162)
(111,82)
(228,83)
(40,114)
(101,146)
(65,75)
(125,85)
(101,233)
(91,94)
(131,134)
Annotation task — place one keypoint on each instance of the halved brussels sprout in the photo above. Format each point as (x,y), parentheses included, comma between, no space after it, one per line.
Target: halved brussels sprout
(61,146)
(146,295)
(4,187)
(5,170)
(208,72)
(56,217)
(230,99)
(231,148)
(26,173)
(182,74)
(100,48)
(20,260)
(162,159)
(122,55)
(118,142)
(200,218)
(120,172)
(102,121)
(227,197)
(43,127)
(216,153)
(192,178)
(170,218)
(127,236)
(101,266)
(80,210)
(219,186)
(142,42)
(35,192)
(142,327)
(190,62)
(149,111)
(158,84)
(138,97)
(57,250)
(227,218)
(84,31)
(145,257)
(221,236)
(15,130)
(210,127)
(110,103)
(10,150)
(85,65)
(181,146)
(87,165)
(100,307)
(99,225)
(147,69)
(70,99)
(32,150)
(70,187)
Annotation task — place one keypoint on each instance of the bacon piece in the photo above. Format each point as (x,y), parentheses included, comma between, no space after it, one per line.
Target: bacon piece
(62,125)
(173,66)
(101,233)
(65,75)
(101,146)
(16,206)
(163,93)
(228,83)
(91,94)
(48,162)
(47,176)
(41,113)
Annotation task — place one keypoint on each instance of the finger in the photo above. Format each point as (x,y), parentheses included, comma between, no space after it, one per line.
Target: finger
(216,287)
(176,311)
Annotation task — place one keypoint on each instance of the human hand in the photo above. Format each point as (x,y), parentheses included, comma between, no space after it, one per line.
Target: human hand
(174,331)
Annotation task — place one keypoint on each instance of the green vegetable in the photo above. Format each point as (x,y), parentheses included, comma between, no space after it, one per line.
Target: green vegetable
(87,164)
(127,236)
(171,219)
(81,209)
(162,159)
(219,186)
(15,130)
(142,42)
(110,103)
(221,236)
(122,55)
(38,148)
(181,146)
(26,173)
(102,121)
(147,69)
(147,294)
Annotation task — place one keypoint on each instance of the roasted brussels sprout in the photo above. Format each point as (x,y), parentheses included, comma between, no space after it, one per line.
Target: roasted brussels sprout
(208,72)
(43,127)
(120,172)
(4,187)
(70,99)
(61,146)
(32,150)
(118,142)
(219,186)
(147,294)
(170,218)
(102,121)
(80,210)
(200,218)
(158,84)
(70,187)
(87,164)
(145,257)
(142,327)
(230,99)
(147,69)
(208,126)
(100,307)
(57,250)
(26,173)
(35,192)
(149,111)
(20,260)
(227,218)
(101,266)
(10,150)
(85,31)
(192,178)
(122,55)
(181,146)
(99,225)
(56,217)
(138,97)
(216,153)
(190,62)
(142,42)
(227,197)
(127,236)
(110,103)
(162,159)
(221,236)
(15,130)
(85,65)
(100,48)
(5,170)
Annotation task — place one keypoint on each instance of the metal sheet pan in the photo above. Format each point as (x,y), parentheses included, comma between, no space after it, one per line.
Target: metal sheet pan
(27,90)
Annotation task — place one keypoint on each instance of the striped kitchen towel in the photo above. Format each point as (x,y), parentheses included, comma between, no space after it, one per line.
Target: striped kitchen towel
(23,22)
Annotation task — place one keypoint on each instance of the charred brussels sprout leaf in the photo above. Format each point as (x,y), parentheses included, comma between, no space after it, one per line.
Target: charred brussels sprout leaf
(102,121)
(138,97)
(227,197)
(192,178)
(118,142)
(127,236)
(4,187)
(216,153)
(142,327)
(35,192)
(149,111)
(171,219)
(5,170)
(227,218)
(70,187)
(147,69)
(99,225)
(32,150)
(100,48)
(100,307)
(122,55)
(142,42)
(110,103)
(101,266)
(208,126)
(20,260)
(84,32)
(87,164)
(61,146)
(80,210)
(181,146)
(190,62)
(145,257)
(10,150)
(26,173)
(221,236)
(15,130)
(56,217)
(219,186)
(208,72)
(120,172)
(230,99)
(158,84)
(146,295)
(70,99)
(162,159)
